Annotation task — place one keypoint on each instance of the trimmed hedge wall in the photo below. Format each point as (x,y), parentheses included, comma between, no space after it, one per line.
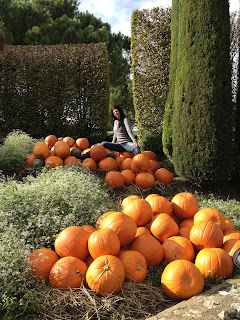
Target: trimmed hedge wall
(60,89)
(150,45)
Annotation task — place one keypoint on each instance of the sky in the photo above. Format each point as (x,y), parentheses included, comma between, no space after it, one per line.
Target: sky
(118,13)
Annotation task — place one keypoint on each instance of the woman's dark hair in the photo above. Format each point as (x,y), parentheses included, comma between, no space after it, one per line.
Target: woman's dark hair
(122,115)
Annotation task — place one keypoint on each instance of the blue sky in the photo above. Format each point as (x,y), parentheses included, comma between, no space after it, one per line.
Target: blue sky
(118,13)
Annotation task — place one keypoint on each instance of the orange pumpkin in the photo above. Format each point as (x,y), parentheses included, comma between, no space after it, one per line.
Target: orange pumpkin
(102,242)
(53,162)
(30,159)
(151,155)
(90,164)
(181,279)
(134,264)
(71,161)
(178,247)
(184,232)
(230,246)
(41,150)
(140,163)
(41,262)
(114,179)
(119,160)
(159,204)
(88,228)
(72,241)
(210,214)
(145,180)
(51,140)
(142,230)
(107,164)
(149,247)
(228,225)
(154,165)
(127,154)
(126,164)
(164,176)
(129,176)
(186,223)
(124,227)
(105,275)
(68,272)
(126,200)
(214,263)
(101,218)
(70,141)
(82,143)
(206,234)
(98,152)
(231,235)
(163,227)
(62,149)
(139,210)
(184,205)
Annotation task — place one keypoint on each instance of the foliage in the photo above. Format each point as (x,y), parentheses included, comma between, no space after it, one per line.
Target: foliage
(33,213)
(150,65)
(202,140)
(68,96)
(153,142)
(15,149)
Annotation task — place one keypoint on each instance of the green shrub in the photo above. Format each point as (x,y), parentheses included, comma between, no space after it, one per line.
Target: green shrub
(153,142)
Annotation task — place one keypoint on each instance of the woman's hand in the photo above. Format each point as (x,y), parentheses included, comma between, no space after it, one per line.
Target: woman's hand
(135,145)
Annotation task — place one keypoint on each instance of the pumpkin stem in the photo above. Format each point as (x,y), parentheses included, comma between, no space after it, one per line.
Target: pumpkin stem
(187,281)
(106,267)
(139,268)
(78,273)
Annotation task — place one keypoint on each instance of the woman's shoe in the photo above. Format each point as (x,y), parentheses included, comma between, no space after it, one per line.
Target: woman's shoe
(236,257)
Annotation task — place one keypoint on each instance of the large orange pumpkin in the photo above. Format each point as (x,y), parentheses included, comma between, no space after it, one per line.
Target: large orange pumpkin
(82,143)
(51,140)
(114,179)
(184,205)
(123,225)
(107,164)
(163,175)
(98,152)
(206,234)
(163,227)
(214,263)
(41,262)
(62,149)
(178,247)
(105,275)
(151,155)
(181,279)
(134,264)
(102,242)
(129,176)
(210,214)
(140,163)
(71,161)
(128,199)
(159,204)
(53,162)
(72,241)
(139,210)
(149,247)
(228,225)
(41,150)
(90,164)
(126,164)
(101,218)
(145,180)
(68,272)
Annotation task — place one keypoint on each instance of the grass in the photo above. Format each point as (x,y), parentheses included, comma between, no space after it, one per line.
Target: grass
(34,209)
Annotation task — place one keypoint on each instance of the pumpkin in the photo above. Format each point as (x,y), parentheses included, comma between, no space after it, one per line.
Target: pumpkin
(129,176)
(126,164)
(184,232)
(105,275)
(51,140)
(38,163)
(184,205)
(41,150)
(101,218)
(149,247)
(145,180)
(154,165)
(228,225)
(142,230)
(76,153)
(107,164)
(139,210)
(206,234)
(140,163)
(71,161)
(159,204)
(126,200)
(186,223)
(163,175)
(70,141)
(214,263)
(151,155)
(30,159)
(72,241)
(127,154)
(114,179)
(230,246)
(178,247)
(98,152)
(68,272)
(134,264)
(210,214)
(88,228)
(90,164)
(53,161)
(123,225)
(231,235)
(62,149)
(163,227)
(51,152)
(82,143)
(102,242)
(41,262)
(181,279)
(89,260)
(119,160)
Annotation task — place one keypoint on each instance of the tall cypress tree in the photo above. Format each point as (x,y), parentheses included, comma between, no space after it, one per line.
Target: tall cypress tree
(202,107)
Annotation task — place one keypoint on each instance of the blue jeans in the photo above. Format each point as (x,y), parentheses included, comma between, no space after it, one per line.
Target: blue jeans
(121,147)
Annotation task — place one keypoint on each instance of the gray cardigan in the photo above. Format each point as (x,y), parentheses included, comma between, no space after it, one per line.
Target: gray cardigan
(122,132)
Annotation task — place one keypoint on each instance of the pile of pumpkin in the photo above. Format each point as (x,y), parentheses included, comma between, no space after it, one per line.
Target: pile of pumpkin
(122,168)
(195,243)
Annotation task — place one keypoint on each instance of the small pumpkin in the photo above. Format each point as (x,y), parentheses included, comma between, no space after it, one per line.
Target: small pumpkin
(98,152)
(178,247)
(126,164)
(145,180)
(82,143)
(163,227)
(230,246)
(234,234)
(129,176)
(69,140)
(150,154)
(164,176)
(154,165)
(101,218)
(139,210)
(114,179)
(127,154)
(159,204)
(107,164)
(90,164)
(127,199)
(140,163)
(228,225)
(40,150)
(30,159)
(142,230)
(71,161)
(184,205)
(50,140)
(53,162)
(76,153)
(62,149)
(210,214)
